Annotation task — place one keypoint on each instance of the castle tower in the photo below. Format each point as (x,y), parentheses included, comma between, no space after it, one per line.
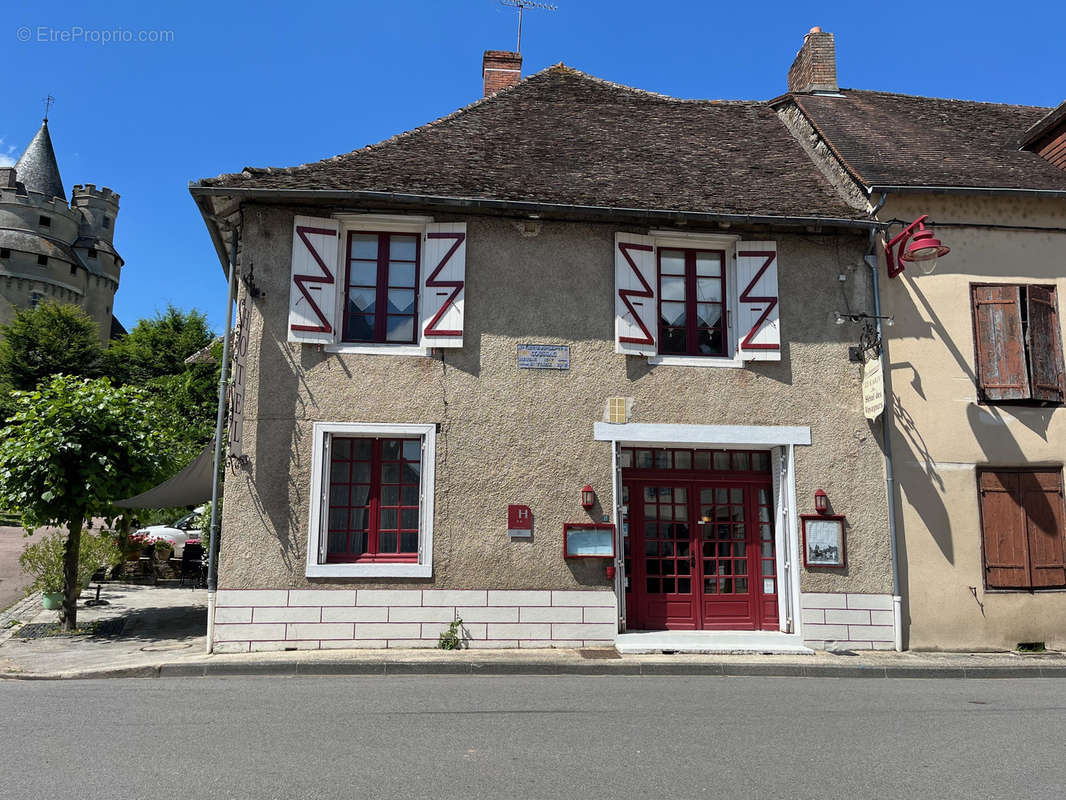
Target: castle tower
(52,251)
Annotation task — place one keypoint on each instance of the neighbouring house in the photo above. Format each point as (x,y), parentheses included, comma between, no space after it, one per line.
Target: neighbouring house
(573,316)
(974,361)
(54,250)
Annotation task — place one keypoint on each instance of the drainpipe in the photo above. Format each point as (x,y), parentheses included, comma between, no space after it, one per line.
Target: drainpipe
(212,550)
(886,436)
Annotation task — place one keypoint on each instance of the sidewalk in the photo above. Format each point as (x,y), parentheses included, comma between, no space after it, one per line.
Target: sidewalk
(162,635)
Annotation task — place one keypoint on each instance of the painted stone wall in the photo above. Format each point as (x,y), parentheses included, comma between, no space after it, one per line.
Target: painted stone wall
(942,433)
(522,436)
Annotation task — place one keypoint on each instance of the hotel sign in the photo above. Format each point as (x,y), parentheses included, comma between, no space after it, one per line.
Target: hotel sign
(873,389)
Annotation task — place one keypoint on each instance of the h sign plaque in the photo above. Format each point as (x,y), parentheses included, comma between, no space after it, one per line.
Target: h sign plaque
(519,522)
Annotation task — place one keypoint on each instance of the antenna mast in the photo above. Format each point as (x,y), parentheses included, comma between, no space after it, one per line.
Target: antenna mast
(49,101)
(522,5)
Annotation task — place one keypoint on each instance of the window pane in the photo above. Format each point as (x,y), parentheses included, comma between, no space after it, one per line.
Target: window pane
(387,543)
(409,495)
(401,301)
(401,274)
(361,300)
(390,449)
(360,495)
(408,542)
(625,459)
(708,314)
(412,473)
(400,329)
(361,472)
(358,518)
(673,340)
(357,543)
(703,460)
(390,519)
(682,459)
(363,273)
(710,341)
(672,313)
(364,245)
(673,288)
(361,449)
(339,472)
(409,519)
(709,289)
(390,473)
(402,248)
(412,449)
(709,265)
(672,262)
(338,519)
(342,448)
(390,495)
(360,327)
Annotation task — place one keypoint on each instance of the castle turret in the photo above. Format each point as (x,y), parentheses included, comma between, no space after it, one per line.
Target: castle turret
(37,169)
(99,209)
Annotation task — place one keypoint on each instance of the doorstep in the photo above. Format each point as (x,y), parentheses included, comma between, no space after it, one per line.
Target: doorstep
(771,642)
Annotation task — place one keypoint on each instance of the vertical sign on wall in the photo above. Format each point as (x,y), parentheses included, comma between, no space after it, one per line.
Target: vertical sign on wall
(873,389)
(236,388)
(519,522)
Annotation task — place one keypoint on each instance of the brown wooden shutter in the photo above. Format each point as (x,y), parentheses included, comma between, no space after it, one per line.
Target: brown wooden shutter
(1041,494)
(1001,368)
(1045,345)
(1003,530)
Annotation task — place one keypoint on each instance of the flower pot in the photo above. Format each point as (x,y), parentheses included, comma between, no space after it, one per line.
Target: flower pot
(52,601)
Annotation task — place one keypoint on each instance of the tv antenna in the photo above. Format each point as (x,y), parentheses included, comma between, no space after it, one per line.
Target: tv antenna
(49,101)
(522,5)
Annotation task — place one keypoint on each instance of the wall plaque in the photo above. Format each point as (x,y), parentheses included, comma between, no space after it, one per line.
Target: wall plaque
(519,522)
(543,356)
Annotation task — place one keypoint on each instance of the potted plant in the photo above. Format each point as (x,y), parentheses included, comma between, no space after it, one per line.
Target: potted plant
(43,561)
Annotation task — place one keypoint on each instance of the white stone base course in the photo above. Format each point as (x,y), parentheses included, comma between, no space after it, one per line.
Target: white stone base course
(257,620)
(856,621)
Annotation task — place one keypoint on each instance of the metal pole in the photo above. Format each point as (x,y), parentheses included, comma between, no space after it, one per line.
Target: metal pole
(220,419)
(886,436)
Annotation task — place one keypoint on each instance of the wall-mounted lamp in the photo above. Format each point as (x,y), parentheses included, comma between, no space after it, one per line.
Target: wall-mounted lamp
(588,497)
(924,248)
(821,502)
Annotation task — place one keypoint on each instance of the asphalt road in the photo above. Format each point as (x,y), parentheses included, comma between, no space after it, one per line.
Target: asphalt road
(12,579)
(533,737)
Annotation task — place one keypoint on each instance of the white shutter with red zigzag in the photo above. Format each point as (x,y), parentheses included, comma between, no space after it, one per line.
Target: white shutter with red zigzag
(443,284)
(313,287)
(758,313)
(636,313)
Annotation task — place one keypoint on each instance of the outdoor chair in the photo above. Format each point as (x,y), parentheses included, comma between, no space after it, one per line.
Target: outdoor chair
(192,563)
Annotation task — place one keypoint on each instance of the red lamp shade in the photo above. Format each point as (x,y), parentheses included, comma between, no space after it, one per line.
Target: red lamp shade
(925,248)
(588,497)
(821,502)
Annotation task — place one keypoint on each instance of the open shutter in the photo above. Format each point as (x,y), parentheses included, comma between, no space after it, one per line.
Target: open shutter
(313,286)
(1003,531)
(997,313)
(1045,345)
(758,314)
(1042,500)
(443,284)
(636,311)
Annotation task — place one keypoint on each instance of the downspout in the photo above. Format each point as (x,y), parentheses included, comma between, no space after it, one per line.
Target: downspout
(886,436)
(212,550)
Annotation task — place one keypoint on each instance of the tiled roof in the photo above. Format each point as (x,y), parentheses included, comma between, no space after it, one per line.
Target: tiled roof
(1045,125)
(561,136)
(900,140)
(37,169)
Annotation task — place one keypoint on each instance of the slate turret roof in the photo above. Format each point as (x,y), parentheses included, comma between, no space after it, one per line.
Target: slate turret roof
(37,169)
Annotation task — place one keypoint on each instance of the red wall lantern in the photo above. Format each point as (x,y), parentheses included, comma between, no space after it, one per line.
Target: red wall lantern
(588,497)
(925,248)
(821,502)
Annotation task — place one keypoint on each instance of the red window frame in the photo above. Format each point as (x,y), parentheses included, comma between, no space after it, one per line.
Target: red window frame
(698,460)
(381,288)
(691,301)
(364,543)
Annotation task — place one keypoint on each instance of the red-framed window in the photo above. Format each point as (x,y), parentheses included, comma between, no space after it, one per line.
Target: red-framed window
(374,499)
(683,458)
(381,290)
(692,306)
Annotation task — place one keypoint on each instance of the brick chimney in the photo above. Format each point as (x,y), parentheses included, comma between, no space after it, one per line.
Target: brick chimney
(815,67)
(500,69)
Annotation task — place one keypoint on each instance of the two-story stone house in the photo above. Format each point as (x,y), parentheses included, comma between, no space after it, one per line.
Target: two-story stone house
(570,307)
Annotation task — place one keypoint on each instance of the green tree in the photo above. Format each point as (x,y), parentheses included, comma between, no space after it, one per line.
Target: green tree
(51,339)
(73,447)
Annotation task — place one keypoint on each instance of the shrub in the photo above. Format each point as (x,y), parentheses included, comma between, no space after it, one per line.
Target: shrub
(44,560)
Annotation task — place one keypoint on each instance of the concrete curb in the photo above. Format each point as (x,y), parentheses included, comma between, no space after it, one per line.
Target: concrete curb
(354,668)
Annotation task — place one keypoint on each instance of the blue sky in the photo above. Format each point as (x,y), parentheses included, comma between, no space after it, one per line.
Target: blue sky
(275,84)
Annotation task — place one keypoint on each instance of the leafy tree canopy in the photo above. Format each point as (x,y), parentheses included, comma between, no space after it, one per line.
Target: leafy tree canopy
(48,340)
(158,347)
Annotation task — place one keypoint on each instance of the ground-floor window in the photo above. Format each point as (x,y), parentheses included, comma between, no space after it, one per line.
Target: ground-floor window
(1022,528)
(372,509)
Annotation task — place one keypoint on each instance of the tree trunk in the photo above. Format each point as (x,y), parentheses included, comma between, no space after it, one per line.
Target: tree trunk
(68,615)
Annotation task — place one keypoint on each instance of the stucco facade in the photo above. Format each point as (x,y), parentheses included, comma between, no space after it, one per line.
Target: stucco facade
(507,435)
(942,432)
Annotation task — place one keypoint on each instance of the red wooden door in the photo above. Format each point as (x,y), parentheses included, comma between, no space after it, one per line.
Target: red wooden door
(701,555)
